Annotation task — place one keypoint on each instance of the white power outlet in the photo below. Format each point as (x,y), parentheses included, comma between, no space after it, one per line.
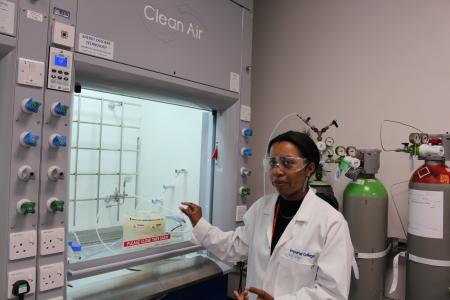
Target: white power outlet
(57,298)
(51,276)
(52,241)
(22,244)
(240,211)
(22,274)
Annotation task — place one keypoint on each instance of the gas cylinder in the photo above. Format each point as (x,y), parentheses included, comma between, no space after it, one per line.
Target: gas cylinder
(366,209)
(428,240)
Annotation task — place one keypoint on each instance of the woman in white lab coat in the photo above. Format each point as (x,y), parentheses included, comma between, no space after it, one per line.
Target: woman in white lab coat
(297,245)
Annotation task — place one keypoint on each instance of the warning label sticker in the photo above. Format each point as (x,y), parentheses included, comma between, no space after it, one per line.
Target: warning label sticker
(426,213)
(96,46)
(146,241)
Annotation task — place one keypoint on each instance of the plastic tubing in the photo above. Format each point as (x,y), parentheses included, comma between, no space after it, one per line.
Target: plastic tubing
(270,138)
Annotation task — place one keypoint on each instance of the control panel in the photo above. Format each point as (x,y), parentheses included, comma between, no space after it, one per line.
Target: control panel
(59,69)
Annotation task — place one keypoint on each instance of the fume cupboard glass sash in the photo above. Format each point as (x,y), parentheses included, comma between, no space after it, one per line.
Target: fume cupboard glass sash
(132,162)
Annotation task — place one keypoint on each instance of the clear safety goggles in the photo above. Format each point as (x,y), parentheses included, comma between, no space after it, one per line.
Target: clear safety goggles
(287,163)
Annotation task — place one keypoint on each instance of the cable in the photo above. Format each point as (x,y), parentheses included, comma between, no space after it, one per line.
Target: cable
(241,266)
(270,138)
(178,226)
(86,257)
(396,122)
(395,150)
(154,203)
(20,288)
(404,124)
(186,230)
(395,204)
(98,235)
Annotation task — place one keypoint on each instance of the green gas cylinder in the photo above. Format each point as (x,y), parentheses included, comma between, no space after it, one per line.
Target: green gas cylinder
(365,207)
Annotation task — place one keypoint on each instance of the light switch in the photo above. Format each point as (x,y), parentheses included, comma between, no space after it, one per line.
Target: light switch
(31,72)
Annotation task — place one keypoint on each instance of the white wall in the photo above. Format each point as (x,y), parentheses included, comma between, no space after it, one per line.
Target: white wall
(170,138)
(358,62)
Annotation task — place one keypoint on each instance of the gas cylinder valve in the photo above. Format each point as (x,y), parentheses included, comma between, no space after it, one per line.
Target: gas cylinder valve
(57,141)
(245,172)
(59,109)
(246,152)
(29,139)
(244,191)
(55,205)
(26,173)
(30,105)
(25,206)
(246,132)
(55,173)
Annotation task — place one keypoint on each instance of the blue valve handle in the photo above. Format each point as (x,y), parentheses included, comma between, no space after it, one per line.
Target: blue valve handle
(61,109)
(247,132)
(247,152)
(31,139)
(59,141)
(32,105)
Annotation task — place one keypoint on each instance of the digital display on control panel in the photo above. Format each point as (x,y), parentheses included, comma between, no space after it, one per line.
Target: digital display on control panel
(60,61)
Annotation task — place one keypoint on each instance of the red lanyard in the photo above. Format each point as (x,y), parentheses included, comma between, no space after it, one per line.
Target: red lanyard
(275,217)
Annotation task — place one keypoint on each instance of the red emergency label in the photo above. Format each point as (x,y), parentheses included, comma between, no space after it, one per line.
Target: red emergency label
(149,240)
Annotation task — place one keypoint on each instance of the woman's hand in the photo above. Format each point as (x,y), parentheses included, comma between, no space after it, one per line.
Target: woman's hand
(241,296)
(260,293)
(193,211)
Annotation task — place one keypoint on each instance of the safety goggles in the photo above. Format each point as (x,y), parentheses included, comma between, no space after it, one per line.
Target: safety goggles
(287,163)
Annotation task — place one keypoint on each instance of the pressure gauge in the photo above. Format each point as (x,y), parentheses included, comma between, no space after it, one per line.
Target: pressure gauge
(321,146)
(424,138)
(414,138)
(329,141)
(340,151)
(351,151)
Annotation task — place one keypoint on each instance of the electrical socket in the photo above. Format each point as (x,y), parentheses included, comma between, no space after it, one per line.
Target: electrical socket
(51,276)
(22,274)
(240,212)
(57,298)
(52,241)
(22,244)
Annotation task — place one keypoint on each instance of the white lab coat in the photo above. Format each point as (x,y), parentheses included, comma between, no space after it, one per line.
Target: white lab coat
(312,259)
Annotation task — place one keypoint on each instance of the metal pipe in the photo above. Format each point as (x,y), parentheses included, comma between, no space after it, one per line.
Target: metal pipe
(76,163)
(93,199)
(106,124)
(136,182)
(120,160)
(104,149)
(99,159)
(110,100)
(86,174)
